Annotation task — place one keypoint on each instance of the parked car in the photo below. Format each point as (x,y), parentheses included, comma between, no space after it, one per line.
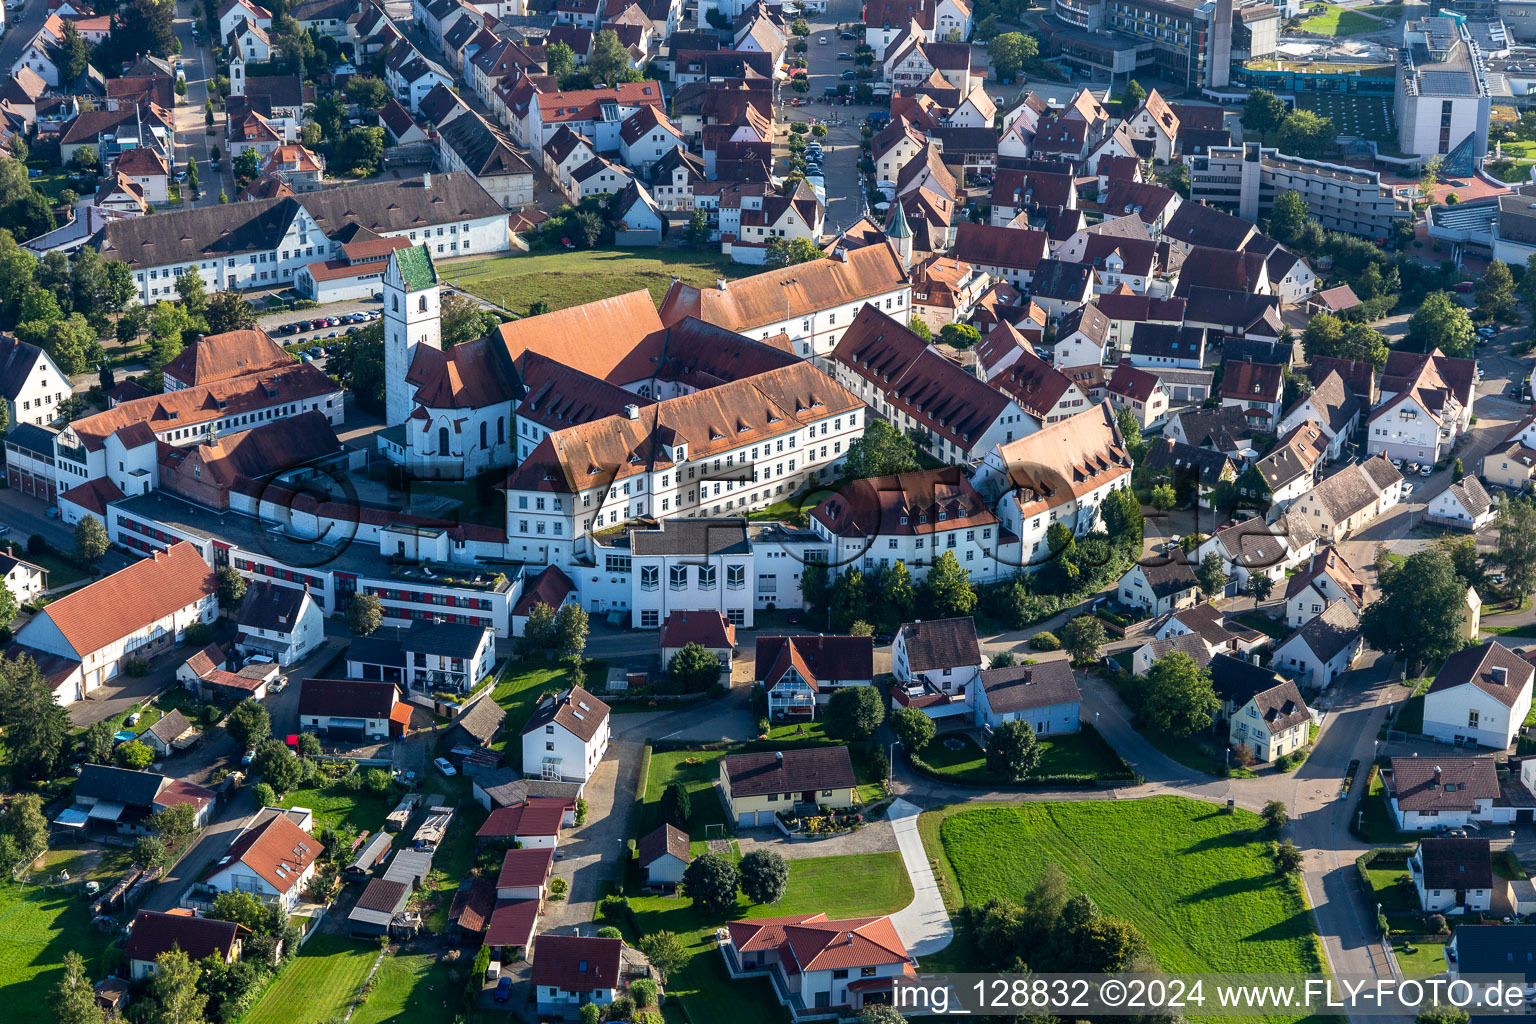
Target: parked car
(1487,332)
(1426,469)
(504,988)
(444,766)
(846,35)
(1462,286)
(849,76)
(845,56)
(822,40)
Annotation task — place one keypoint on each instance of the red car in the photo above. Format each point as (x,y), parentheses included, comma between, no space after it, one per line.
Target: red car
(1463,286)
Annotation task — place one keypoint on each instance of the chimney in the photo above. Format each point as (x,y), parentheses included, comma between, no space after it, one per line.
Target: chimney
(778,757)
(1500,674)
(720,283)
(632,411)
(426,179)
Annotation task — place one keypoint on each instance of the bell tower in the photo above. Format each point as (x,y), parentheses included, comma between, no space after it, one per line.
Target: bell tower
(412,317)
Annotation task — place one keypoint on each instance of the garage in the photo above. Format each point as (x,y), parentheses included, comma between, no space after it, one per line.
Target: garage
(345,728)
(746,819)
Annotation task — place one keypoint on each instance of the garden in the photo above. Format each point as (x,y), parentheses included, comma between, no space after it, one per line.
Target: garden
(817,884)
(1081,758)
(1199,883)
(38,925)
(827,821)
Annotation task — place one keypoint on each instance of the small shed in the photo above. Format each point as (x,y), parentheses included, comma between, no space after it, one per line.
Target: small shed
(370,856)
(377,906)
(663,855)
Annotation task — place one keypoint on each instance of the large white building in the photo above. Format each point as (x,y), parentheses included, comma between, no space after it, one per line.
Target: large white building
(31,383)
(566,737)
(1480,696)
(1441,94)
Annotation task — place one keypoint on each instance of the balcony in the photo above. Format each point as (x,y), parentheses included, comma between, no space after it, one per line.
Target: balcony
(449,576)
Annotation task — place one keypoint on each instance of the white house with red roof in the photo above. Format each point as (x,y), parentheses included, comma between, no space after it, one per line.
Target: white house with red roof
(800,673)
(707,628)
(137,612)
(570,971)
(566,737)
(822,964)
(534,823)
(234,11)
(272,861)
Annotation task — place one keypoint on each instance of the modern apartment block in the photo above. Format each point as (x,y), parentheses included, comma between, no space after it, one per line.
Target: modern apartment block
(1247,179)
(1190,41)
(1442,94)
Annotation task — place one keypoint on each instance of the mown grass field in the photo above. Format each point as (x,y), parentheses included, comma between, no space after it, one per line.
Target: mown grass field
(1080,754)
(571,278)
(697,770)
(1341,21)
(518,691)
(318,985)
(38,925)
(334,806)
(410,988)
(856,886)
(1197,882)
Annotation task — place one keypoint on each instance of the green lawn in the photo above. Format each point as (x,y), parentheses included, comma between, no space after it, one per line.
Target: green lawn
(335,806)
(453,860)
(1275,628)
(1376,824)
(815,884)
(1411,718)
(571,278)
(411,988)
(1426,960)
(38,925)
(1080,754)
(1394,898)
(697,770)
(1340,21)
(1197,882)
(61,571)
(518,691)
(318,985)
(1200,752)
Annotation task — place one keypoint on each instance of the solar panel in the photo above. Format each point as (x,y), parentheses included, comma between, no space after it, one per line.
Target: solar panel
(1444,83)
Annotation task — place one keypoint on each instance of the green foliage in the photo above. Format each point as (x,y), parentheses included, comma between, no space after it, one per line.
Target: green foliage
(1420,612)
(1306,133)
(1288,858)
(1515,550)
(228,311)
(248,723)
(948,590)
(764,875)
(1082,637)
(918,326)
(1328,335)
(232,586)
(1132,97)
(365,615)
(1263,112)
(913,728)
(1441,323)
(854,712)
(1164,497)
(1212,574)
(1008,53)
(710,881)
(787,252)
(74,998)
(1178,698)
(1275,815)
(676,806)
(695,668)
(133,755)
(35,727)
(148,851)
(662,948)
(98,742)
(263,795)
(278,765)
(961,336)
(1045,640)
(1012,751)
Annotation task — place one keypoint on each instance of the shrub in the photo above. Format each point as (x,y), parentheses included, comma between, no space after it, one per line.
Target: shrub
(137,666)
(1044,641)
(608,931)
(263,794)
(558,887)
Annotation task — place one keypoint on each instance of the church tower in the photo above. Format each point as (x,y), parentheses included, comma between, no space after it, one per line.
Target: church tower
(412,317)
(236,71)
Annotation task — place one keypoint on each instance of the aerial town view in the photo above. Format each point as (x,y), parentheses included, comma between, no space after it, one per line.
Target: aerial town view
(762,511)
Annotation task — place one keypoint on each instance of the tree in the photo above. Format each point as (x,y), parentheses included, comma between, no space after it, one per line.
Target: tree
(882,451)
(74,998)
(1082,637)
(223,197)
(25,826)
(1262,112)
(787,252)
(36,728)
(815,584)
(75,54)
(1288,859)
(854,712)
(1495,292)
(1132,97)
(263,795)
(1429,175)
(9,609)
(897,599)
(278,765)
(1515,549)
(1009,52)
(609,60)
(590,1013)
(1123,518)
(98,742)
(464,320)
(1275,815)
(1441,323)
(1259,587)
(248,723)
(698,222)
(369,92)
(173,990)
(228,311)
(148,851)
(1306,133)
(1178,698)
(883,1013)
(361,149)
(231,584)
(133,755)
(1420,612)
(1012,751)
(850,602)
(1212,574)
(961,336)
(710,881)
(90,539)
(1288,217)
(764,876)
(365,615)
(664,950)
(192,174)
(676,806)
(1164,497)
(948,587)
(174,825)
(571,630)
(192,292)
(695,668)
(560,60)
(913,728)
(1445,1015)
(246,164)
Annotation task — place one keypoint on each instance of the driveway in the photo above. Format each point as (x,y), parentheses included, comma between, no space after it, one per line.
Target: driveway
(590,854)
(923,924)
(874,837)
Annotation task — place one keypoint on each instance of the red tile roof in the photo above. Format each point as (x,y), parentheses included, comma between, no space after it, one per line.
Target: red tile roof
(277,850)
(103,612)
(537,816)
(511,923)
(708,629)
(526,867)
(576,963)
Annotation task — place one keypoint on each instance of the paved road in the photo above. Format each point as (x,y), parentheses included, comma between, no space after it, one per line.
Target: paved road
(192,138)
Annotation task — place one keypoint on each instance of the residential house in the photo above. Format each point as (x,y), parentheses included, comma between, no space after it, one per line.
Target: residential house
(1492,949)
(1044,392)
(1007,254)
(570,971)
(31,383)
(1272,723)
(273,861)
(1081,337)
(1200,469)
(1327,578)
(1465,504)
(135,613)
(638,216)
(757,785)
(525,874)
(534,824)
(708,629)
(1324,648)
(151,933)
(117,800)
(1426,793)
(1481,696)
(1512,463)
(663,856)
(1157,346)
(936,663)
(1352,497)
(1141,391)
(1331,404)
(476,146)
(353,709)
(1425,408)
(1060,287)
(1256,388)
(800,673)
(646,136)
(25,581)
(1257,545)
(820,963)
(279,622)
(147,169)
(566,737)
(428,655)
(1453,875)
(1159,585)
(171,733)
(1044,695)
